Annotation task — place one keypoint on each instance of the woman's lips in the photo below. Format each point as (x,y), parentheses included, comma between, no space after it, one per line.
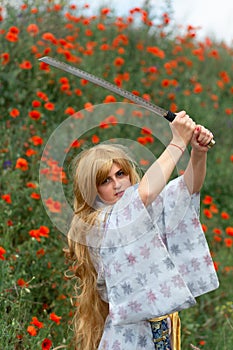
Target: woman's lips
(119,194)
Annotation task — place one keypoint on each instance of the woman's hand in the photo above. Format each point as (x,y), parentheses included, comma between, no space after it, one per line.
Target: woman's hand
(183,128)
(200,139)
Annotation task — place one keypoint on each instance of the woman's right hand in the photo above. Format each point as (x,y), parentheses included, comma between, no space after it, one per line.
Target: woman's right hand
(182,129)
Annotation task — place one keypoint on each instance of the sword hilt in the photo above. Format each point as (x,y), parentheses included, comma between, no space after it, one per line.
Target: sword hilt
(170,116)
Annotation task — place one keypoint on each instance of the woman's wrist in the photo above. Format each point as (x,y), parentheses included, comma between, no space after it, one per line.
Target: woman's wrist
(179,144)
(172,144)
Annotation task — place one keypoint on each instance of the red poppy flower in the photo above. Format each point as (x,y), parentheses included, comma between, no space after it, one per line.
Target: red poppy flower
(224,76)
(104,47)
(53,206)
(95,139)
(36,140)
(14,113)
(2,252)
(44,66)
(7,198)
(225,215)
(228,242)
(40,252)
(30,152)
(14,30)
(229,231)
(228,111)
(64,80)
(21,164)
(44,231)
(11,37)
(36,103)
(214,53)
(31,185)
(34,10)
(208,213)
(202,342)
(101,26)
(57,7)
(69,110)
(32,331)
(217,239)
(146,131)
(25,65)
(49,106)
(103,125)
(105,11)
(213,208)
(34,114)
(109,98)
(142,140)
(156,51)
(197,88)
(204,227)
(207,200)
(42,95)
(35,195)
(165,82)
(55,318)
(88,106)
(35,234)
(37,323)
(144,162)
(49,37)
(119,61)
(46,344)
(78,92)
(22,283)
(33,29)
(173,107)
(217,231)
(65,87)
(5,57)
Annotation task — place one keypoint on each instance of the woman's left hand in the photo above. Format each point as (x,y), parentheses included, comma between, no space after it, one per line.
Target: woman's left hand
(201,138)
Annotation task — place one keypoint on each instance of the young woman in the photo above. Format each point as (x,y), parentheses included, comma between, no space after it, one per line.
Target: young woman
(139,251)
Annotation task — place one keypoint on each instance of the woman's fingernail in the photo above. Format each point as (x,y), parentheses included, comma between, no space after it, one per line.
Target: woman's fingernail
(198,128)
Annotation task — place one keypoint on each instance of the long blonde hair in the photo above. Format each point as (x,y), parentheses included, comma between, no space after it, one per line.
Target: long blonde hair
(91,169)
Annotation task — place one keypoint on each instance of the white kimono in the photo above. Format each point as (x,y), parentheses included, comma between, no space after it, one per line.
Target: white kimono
(151,261)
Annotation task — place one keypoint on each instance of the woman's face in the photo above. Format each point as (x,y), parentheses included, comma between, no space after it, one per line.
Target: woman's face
(114,185)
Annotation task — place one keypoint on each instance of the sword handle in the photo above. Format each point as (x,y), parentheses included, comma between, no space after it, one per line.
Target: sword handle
(171,116)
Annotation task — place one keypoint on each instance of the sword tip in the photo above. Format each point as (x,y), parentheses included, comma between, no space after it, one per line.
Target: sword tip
(43,58)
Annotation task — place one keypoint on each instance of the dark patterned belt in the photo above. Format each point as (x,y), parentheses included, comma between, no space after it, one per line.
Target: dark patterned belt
(160,332)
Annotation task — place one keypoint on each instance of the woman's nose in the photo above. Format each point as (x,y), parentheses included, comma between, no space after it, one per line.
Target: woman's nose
(116,183)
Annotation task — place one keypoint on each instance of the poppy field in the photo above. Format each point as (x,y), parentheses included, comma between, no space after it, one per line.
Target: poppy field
(148,54)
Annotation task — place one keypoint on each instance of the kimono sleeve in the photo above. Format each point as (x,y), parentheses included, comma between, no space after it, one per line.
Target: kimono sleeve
(185,239)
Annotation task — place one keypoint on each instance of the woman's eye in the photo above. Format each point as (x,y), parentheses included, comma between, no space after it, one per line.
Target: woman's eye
(106,181)
(120,173)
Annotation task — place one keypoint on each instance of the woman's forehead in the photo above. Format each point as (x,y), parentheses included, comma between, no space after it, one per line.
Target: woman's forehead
(114,169)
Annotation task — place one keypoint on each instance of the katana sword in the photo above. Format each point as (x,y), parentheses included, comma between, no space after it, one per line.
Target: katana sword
(111,87)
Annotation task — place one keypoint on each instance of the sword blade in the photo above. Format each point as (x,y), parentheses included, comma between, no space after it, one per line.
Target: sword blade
(109,86)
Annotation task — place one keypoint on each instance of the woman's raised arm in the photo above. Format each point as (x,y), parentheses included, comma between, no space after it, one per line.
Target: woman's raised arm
(157,176)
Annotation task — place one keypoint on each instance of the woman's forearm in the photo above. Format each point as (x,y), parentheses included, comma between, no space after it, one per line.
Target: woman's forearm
(158,174)
(195,172)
